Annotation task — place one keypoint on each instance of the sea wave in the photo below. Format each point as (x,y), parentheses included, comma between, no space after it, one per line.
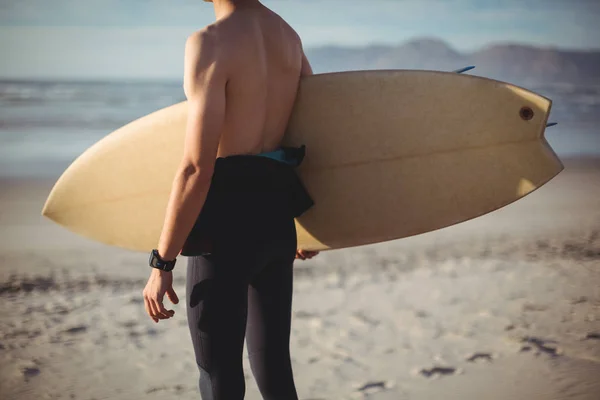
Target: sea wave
(113,94)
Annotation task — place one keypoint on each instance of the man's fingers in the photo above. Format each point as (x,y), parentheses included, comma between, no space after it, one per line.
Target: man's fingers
(149,309)
(172,295)
(153,310)
(163,313)
(156,309)
(305,254)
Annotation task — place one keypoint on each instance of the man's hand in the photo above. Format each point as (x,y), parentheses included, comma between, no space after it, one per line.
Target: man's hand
(160,282)
(305,254)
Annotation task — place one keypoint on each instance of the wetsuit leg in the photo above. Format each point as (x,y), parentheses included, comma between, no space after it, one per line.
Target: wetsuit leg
(248,277)
(269,320)
(217,295)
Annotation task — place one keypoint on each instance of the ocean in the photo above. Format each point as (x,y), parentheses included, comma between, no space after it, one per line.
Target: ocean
(44,126)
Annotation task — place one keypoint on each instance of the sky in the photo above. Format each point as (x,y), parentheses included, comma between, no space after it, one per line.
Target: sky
(144,39)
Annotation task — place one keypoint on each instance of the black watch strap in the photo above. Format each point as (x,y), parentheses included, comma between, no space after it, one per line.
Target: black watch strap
(157,262)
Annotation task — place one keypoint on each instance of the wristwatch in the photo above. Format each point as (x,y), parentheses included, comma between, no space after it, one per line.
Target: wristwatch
(157,262)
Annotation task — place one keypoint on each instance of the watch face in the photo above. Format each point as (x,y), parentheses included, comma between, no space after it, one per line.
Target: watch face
(156,262)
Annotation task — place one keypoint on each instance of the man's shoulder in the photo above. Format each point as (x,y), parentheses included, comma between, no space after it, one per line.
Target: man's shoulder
(215,35)
(204,37)
(222,30)
(204,43)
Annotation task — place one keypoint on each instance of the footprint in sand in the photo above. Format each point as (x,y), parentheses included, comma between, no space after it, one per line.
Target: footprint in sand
(23,333)
(177,389)
(534,307)
(30,372)
(593,336)
(439,371)
(148,332)
(364,319)
(375,386)
(579,300)
(129,324)
(371,386)
(76,329)
(542,346)
(480,356)
(156,389)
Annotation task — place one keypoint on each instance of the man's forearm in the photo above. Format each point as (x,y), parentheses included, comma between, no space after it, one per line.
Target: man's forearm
(187,199)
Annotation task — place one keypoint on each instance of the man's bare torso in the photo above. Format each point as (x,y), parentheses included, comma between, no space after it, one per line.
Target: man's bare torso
(263,60)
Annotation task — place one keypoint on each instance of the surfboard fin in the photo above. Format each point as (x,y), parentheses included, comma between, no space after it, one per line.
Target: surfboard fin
(465,69)
(549,124)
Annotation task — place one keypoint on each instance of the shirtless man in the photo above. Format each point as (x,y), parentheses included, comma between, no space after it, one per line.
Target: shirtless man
(241,77)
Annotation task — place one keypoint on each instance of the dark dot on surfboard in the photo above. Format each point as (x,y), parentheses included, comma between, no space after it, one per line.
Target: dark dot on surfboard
(526,113)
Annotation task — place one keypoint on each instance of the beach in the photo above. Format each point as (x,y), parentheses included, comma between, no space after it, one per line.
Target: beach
(505,306)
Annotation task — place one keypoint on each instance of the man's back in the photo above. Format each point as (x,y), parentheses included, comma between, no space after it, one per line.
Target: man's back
(263,61)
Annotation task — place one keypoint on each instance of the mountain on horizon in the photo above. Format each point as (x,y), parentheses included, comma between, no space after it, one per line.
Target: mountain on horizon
(510,62)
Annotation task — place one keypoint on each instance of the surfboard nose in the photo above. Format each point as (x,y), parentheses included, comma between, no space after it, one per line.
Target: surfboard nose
(51,206)
(47,209)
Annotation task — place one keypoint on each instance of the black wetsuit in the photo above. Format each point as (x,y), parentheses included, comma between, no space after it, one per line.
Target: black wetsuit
(239,276)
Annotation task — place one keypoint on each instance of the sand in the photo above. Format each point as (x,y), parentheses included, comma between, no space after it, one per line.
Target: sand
(506,306)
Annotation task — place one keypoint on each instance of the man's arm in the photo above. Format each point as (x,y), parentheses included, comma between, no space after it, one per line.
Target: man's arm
(306,68)
(205,80)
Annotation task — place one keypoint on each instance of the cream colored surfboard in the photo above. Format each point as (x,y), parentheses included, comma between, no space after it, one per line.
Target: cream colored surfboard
(390,154)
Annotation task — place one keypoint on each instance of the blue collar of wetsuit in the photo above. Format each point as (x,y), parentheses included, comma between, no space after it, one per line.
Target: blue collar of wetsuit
(292,156)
